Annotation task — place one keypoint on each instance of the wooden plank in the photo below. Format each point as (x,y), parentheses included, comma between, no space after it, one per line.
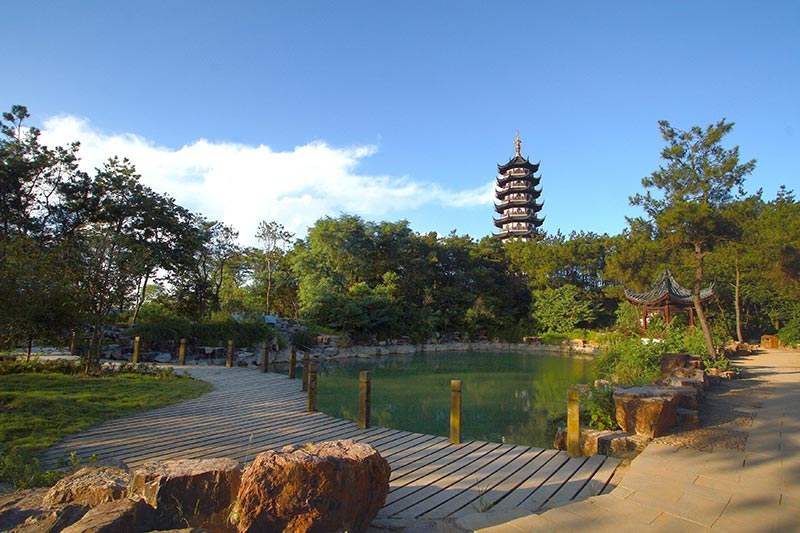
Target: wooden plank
(535,479)
(407,474)
(576,482)
(599,480)
(614,481)
(481,496)
(553,484)
(461,482)
(420,455)
(435,474)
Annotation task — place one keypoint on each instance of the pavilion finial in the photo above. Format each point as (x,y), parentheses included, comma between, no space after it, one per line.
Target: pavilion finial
(517,145)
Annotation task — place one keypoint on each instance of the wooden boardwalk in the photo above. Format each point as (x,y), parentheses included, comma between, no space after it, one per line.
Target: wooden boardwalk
(249,412)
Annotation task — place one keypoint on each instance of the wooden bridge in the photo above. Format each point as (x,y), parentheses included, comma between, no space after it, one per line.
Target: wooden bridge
(249,412)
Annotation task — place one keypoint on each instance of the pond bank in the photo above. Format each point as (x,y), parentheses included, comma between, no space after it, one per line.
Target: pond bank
(380,350)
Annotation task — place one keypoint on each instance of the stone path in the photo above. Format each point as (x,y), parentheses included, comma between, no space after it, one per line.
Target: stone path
(742,474)
(249,412)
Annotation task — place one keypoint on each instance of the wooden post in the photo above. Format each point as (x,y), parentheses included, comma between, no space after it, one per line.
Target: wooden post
(292,363)
(182,352)
(573,422)
(455,411)
(73,343)
(306,362)
(312,389)
(229,356)
(364,399)
(136,344)
(265,358)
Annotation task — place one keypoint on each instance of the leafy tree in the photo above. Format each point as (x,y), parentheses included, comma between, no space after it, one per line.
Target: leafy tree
(561,310)
(274,238)
(697,180)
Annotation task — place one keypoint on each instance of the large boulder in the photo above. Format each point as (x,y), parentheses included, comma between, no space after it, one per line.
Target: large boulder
(88,486)
(120,516)
(649,411)
(329,486)
(198,492)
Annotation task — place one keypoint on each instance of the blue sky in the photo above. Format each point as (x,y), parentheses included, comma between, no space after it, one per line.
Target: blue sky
(375,108)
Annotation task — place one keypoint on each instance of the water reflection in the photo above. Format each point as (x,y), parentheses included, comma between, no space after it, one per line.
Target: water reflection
(506,397)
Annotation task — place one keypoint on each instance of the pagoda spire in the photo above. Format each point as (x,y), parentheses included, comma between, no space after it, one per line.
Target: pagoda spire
(517,145)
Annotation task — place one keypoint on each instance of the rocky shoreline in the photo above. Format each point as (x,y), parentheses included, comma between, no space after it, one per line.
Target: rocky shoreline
(572,349)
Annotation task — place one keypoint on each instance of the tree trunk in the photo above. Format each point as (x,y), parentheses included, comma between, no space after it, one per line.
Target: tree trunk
(737,304)
(269,286)
(698,305)
(140,300)
(30,348)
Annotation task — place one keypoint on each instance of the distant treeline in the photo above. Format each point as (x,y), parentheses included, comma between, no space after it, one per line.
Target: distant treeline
(81,250)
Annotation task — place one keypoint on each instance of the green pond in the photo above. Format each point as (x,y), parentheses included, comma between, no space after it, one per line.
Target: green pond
(505,397)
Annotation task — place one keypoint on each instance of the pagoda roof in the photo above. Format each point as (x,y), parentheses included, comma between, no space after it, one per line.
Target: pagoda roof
(530,218)
(667,289)
(502,179)
(518,162)
(524,189)
(530,204)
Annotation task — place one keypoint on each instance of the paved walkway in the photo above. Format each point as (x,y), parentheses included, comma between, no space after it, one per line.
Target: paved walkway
(249,412)
(750,483)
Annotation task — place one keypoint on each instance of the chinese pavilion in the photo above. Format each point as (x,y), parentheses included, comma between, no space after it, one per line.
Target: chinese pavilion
(517,197)
(667,297)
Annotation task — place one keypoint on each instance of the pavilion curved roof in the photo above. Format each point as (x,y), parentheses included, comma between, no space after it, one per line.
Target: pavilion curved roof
(668,289)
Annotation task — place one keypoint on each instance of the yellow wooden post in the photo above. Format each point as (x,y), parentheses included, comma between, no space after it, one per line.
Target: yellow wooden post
(182,352)
(306,362)
(364,399)
(265,358)
(573,422)
(312,389)
(292,363)
(455,411)
(136,344)
(229,357)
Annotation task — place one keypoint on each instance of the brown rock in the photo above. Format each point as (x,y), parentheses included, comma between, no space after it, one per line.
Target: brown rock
(89,486)
(689,418)
(671,361)
(622,444)
(54,519)
(119,516)
(198,492)
(329,486)
(647,411)
(589,440)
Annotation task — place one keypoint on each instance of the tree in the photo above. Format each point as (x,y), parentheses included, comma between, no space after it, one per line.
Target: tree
(698,178)
(274,238)
(561,310)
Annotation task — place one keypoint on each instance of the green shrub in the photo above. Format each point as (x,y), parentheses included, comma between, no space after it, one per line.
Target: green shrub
(628,320)
(789,334)
(629,361)
(206,333)
(68,367)
(597,408)
(561,310)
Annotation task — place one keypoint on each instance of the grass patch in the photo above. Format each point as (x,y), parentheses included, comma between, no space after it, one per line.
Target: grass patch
(39,409)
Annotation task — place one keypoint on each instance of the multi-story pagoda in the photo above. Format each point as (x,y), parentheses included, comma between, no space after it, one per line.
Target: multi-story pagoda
(517,197)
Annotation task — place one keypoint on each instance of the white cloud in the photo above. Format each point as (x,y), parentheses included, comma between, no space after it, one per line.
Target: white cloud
(242,184)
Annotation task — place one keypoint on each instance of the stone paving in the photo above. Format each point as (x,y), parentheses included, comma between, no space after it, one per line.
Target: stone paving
(674,487)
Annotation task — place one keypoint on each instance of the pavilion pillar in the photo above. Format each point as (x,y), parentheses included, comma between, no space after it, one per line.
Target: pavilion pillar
(644,317)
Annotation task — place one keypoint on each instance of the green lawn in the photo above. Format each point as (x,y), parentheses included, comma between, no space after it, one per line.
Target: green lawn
(38,409)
